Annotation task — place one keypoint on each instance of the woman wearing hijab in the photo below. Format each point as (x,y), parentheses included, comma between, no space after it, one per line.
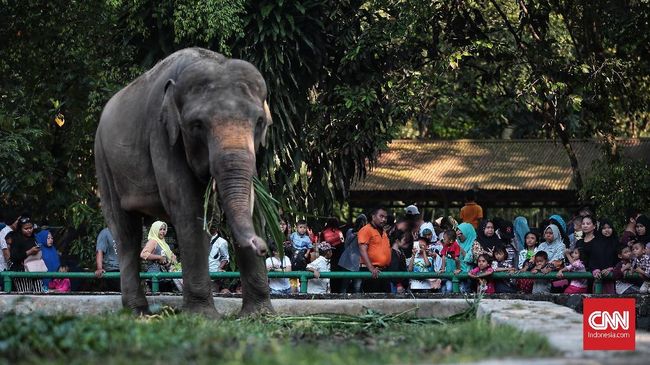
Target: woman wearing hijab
(156,252)
(641,228)
(601,255)
(552,244)
(466,237)
(23,245)
(50,255)
(521,228)
(487,239)
(559,222)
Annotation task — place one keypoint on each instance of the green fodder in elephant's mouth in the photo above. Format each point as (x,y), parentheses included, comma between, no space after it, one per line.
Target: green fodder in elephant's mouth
(318,339)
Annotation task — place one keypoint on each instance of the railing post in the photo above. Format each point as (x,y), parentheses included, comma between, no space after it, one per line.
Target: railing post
(455,285)
(7,283)
(598,286)
(303,283)
(154,284)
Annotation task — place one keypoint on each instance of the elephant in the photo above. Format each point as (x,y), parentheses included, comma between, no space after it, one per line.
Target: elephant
(194,115)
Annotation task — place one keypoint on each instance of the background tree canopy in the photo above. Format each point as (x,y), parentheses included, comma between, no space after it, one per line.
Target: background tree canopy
(345,78)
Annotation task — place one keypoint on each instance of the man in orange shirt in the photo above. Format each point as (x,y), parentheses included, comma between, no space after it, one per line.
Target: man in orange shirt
(471,213)
(375,252)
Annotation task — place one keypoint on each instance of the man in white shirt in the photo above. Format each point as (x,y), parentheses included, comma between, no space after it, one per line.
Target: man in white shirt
(4,247)
(219,257)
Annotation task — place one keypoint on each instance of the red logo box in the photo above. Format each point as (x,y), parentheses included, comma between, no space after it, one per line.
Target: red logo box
(608,324)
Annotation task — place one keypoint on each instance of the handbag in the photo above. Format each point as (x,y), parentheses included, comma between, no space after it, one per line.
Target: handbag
(35,263)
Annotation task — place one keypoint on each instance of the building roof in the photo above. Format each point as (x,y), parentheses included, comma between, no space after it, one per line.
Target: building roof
(410,166)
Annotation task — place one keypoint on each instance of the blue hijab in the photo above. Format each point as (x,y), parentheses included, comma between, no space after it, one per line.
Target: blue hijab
(560,221)
(50,256)
(470,236)
(521,228)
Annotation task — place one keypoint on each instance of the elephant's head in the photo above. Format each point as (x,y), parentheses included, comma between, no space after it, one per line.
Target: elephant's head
(216,108)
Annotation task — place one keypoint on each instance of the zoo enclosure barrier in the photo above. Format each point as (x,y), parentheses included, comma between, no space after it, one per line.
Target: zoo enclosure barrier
(305,275)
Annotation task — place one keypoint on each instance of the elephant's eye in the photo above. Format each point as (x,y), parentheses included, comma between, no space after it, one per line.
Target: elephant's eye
(196,125)
(260,121)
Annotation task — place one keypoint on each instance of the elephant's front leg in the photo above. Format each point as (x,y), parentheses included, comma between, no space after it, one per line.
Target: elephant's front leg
(197,287)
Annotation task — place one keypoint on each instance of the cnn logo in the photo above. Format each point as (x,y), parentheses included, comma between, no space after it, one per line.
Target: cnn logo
(602,320)
(609,323)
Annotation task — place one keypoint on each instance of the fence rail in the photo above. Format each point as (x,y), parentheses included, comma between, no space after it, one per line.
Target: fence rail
(305,275)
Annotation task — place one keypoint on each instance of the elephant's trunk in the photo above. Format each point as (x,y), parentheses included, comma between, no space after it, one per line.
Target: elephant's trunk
(234,170)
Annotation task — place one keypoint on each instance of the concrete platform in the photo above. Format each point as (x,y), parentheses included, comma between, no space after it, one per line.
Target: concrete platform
(99,304)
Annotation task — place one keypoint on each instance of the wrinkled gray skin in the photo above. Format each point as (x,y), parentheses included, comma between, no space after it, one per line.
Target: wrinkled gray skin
(194,115)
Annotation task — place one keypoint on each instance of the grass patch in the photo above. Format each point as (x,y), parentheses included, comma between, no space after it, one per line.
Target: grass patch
(323,339)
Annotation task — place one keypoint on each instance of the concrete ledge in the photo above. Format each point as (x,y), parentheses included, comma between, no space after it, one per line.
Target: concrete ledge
(99,304)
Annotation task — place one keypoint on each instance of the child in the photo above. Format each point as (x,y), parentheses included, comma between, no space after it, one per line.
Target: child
(420,262)
(277,264)
(641,265)
(60,285)
(481,273)
(450,257)
(397,263)
(577,286)
(301,244)
(321,264)
(502,264)
(527,257)
(540,264)
(624,266)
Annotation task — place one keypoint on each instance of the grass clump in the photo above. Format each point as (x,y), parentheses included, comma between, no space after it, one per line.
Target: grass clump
(323,339)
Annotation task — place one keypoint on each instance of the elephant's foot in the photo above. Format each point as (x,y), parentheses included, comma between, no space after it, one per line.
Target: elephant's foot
(254,308)
(141,311)
(205,310)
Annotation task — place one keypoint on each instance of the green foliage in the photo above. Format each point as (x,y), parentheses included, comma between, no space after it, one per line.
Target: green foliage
(344,79)
(271,340)
(617,186)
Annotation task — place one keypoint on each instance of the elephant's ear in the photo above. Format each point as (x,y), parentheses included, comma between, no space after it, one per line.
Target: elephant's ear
(169,115)
(267,122)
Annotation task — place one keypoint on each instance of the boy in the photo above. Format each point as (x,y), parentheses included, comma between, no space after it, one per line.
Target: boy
(623,267)
(450,257)
(301,243)
(321,264)
(641,265)
(540,265)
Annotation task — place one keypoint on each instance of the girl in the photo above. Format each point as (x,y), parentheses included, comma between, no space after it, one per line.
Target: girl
(527,257)
(481,272)
(276,263)
(420,262)
(60,285)
(577,286)
(501,264)
(50,255)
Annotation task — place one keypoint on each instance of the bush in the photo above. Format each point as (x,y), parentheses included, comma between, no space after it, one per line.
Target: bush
(613,188)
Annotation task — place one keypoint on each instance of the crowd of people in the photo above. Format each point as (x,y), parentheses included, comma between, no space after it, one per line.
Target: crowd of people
(477,246)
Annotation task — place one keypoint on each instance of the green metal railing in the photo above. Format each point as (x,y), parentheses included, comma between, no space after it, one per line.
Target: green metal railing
(305,275)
